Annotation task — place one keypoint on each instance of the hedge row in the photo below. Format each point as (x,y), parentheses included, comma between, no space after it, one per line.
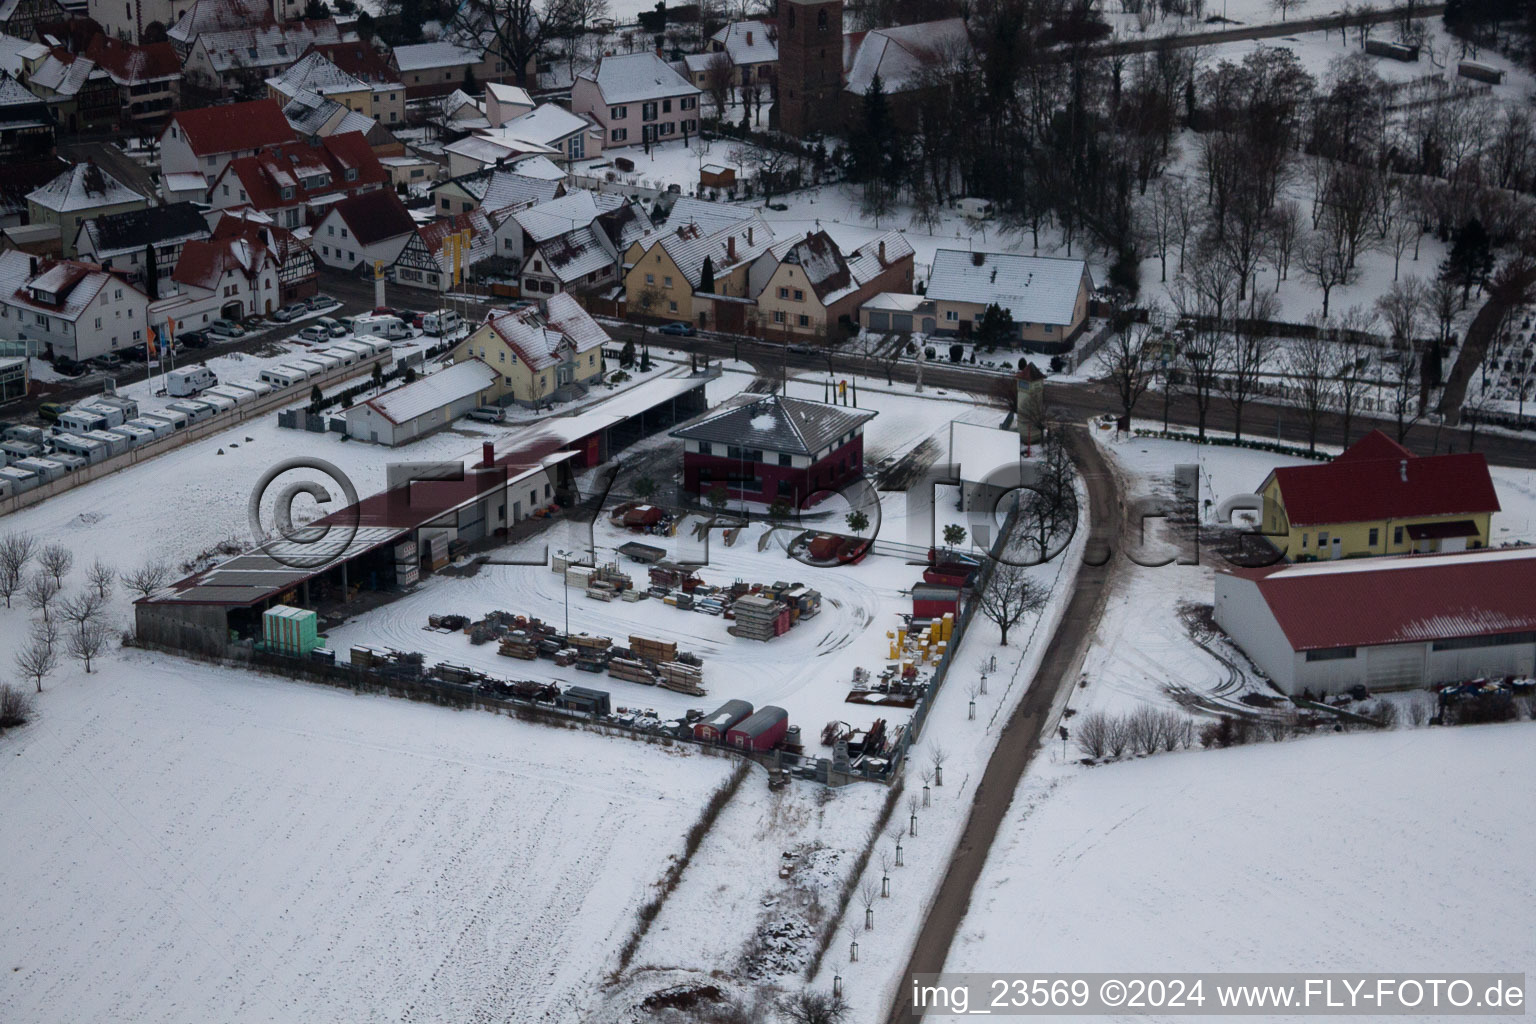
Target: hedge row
(1231,442)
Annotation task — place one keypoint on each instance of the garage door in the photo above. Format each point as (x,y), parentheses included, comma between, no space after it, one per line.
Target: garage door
(879,321)
(1399,665)
(902,322)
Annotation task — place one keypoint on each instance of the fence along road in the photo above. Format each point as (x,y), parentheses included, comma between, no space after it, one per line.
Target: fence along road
(1021,737)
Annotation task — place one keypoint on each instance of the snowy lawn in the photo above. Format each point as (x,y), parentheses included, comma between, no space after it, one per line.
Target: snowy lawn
(1366,852)
(190,843)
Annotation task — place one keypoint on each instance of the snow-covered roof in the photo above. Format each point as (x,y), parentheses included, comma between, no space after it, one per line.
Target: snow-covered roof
(531,179)
(218,16)
(777,424)
(901,55)
(511,94)
(75,283)
(266,46)
(14,94)
(314,73)
(545,125)
(14,52)
(83,187)
(896,302)
(128,64)
(434,391)
(65,73)
(638,78)
(736,243)
(575,254)
(536,338)
(748,42)
(710,217)
(575,209)
(424,56)
(1033,289)
(205,263)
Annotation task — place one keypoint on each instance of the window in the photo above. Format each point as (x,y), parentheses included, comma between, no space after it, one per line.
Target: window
(1397,535)
(783,293)
(501,356)
(672,307)
(689,103)
(778,316)
(1501,640)
(786,460)
(650,278)
(666,128)
(343,232)
(98,323)
(1374,536)
(226,189)
(1304,538)
(805,321)
(618,113)
(666,106)
(821,20)
(1322,539)
(325,250)
(799,295)
(951,315)
(705,449)
(1332,654)
(445,204)
(667,280)
(331,230)
(1049,328)
(648,111)
(618,135)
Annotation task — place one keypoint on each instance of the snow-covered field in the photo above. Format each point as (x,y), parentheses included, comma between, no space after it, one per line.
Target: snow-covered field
(191,844)
(1360,852)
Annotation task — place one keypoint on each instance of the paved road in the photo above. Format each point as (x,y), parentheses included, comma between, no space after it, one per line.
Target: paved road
(1022,735)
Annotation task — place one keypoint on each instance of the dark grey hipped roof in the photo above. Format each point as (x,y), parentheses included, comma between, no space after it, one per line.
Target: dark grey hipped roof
(142,227)
(777,424)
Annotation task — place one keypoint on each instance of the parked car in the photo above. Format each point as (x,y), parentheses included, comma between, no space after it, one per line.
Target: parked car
(253,322)
(347,324)
(321,301)
(387,311)
(192,339)
(314,332)
(333,326)
(292,311)
(68,367)
(226,329)
(49,412)
(109,361)
(677,328)
(489,414)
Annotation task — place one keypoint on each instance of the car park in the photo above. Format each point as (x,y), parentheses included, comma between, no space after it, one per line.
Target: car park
(678,329)
(489,414)
(292,311)
(226,329)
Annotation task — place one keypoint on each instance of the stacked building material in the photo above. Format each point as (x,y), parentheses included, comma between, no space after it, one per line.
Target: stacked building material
(682,677)
(437,551)
(601,590)
(407,563)
(653,650)
(631,669)
(610,573)
(578,575)
(519,644)
(756,618)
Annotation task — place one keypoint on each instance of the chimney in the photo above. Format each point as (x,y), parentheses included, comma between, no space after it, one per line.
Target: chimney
(978,259)
(1402,470)
(488,454)
(31,266)
(749,234)
(749,38)
(882,251)
(730,248)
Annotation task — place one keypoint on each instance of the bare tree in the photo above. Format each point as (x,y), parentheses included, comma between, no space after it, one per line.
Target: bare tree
(82,609)
(1285,232)
(56,560)
(1199,364)
(1009,595)
(1324,258)
(1403,232)
(1403,385)
(1401,307)
(1247,358)
(1353,355)
(102,576)
(1092,733)
(1049,509)
(37,661)
(88,642)
(719,76)
(868,893)
(148,578)
(41,590)
(1311,366)
(15,707)
(516,28)
(938,755)
(15,552)
(1128,361)
(810,1007)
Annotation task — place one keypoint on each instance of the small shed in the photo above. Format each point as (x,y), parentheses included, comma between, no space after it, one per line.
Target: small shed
(934,600)
(1480,71)
(712,728)
(587,700)
(1406,52)
(717,176)
(762,730)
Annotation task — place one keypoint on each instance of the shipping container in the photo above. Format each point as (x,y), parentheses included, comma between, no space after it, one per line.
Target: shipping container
(585,699)
(713,726)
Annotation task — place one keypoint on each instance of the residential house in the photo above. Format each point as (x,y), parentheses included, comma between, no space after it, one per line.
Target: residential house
(753,49)
(233,60)
(436,69)
(666,271)
(1384,623)
(297,270)
(21,18)
(296,183)
(227,277)
(78,93)
(411,170)
(540,358)
(475,153)
(528,180)
(148,77)
(503,102)
(69,308)
(365,59)
(455,244)
(1047,297)
(575,242)
(123,241)
(364,230)
(205,141)
(570,136)
(26,124)
(772,448)
(807,286)
(314,117)
(1379,498)
(637,98)
(315,73)
(80,193)
(202,17)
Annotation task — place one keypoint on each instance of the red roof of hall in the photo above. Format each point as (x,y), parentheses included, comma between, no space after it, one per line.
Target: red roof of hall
(234,126)
(1379,479)
(1363,602)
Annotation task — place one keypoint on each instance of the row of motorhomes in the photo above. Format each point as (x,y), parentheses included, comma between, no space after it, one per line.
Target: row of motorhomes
(104,426)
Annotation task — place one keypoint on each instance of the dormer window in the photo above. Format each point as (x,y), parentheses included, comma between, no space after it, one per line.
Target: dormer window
(351,173)
(287,192)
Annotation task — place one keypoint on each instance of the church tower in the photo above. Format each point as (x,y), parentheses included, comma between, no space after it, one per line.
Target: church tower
(810,72)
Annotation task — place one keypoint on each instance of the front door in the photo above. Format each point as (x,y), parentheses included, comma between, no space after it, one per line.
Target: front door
(1338,547)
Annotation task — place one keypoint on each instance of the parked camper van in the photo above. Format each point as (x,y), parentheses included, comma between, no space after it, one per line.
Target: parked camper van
(181,383)
(389,328)
(114,415)
(15,451)
(82,420)
(177,420)
(283,376)
(975,209)
(46,470)
(92,450)
(15,481)
(220,403)
(441,323)
(196,412)
(156,426)
(136,435)
(116,443)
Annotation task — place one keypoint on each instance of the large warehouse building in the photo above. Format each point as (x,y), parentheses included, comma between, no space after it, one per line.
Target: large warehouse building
(1387,623)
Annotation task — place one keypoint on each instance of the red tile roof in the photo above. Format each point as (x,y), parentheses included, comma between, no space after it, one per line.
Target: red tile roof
(358,58)
(234,126)
(1379,479)
(129,64)
(204,264)
(375,216)
(266,174)
(1404,599)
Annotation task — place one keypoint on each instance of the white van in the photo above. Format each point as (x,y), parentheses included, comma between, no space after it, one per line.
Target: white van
(443,322)
(391,328)
(975,209)
(180,383)
(195,412)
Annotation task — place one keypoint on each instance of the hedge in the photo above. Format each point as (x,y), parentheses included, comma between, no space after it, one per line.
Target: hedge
(1231,442)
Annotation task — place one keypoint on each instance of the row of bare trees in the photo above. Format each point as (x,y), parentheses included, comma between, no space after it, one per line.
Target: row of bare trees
(73,624)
